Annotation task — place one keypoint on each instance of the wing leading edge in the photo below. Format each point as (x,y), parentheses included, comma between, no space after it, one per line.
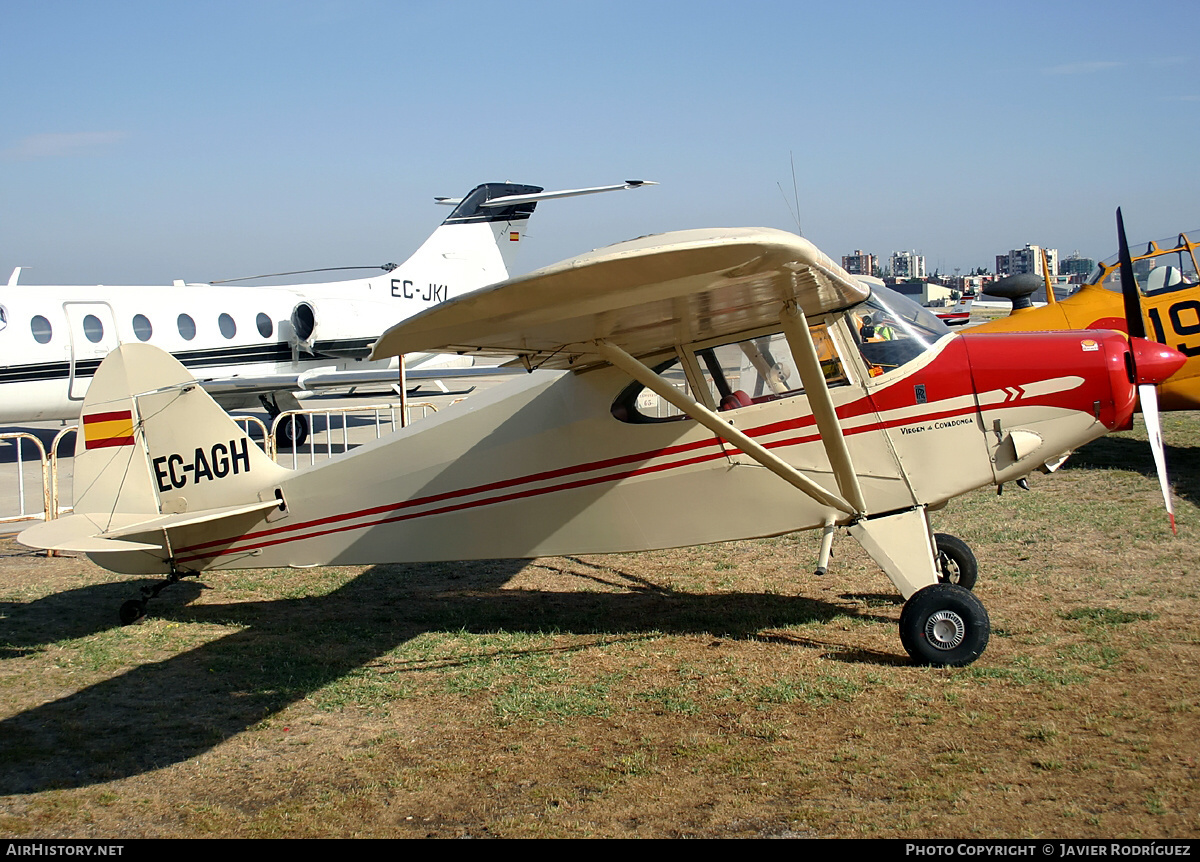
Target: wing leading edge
(644,295)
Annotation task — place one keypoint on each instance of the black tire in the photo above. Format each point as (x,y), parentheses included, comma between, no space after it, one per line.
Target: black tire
(944,625)
(132,611)
(955,561)
(291,432)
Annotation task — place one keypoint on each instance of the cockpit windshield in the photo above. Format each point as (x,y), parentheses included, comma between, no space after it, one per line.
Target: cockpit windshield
(891,329)
(1166,265)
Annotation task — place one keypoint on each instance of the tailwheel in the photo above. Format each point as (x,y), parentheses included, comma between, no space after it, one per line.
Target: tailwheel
(944,625)
(956,563)
(132,611)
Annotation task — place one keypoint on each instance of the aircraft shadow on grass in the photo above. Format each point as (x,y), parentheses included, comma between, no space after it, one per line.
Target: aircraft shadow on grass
(166,712)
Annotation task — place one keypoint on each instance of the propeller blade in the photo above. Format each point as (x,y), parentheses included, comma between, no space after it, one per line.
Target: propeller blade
(1149,399)
(1144,374)
(1129,289)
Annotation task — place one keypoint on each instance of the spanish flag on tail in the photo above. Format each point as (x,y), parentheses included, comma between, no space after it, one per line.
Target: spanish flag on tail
(101,430)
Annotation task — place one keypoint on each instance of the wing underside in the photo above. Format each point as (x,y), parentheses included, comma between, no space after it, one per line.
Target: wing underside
(645,295)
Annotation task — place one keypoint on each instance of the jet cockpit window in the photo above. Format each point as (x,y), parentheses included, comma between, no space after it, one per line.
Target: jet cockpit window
(892,330)
(187,327)
(142,328)
(42,332)
(227,326)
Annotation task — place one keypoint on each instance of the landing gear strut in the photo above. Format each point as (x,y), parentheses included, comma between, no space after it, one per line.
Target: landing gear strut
(134,609)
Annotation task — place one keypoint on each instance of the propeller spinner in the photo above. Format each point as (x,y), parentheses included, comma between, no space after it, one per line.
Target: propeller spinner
(1152,363)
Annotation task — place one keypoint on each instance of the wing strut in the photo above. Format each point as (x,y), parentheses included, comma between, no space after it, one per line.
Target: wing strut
(795,328)
(714,423)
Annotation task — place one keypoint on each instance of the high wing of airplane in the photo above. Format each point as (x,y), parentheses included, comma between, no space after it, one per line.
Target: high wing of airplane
(685,388)
(1169,288)
(256,343)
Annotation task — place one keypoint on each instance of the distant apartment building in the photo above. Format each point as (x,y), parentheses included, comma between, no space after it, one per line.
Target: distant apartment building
(859,263)
(1021,261)
(1076,268)
(907,264)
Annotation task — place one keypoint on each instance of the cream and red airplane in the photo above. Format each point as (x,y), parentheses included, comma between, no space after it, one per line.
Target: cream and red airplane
(260,343)
(684,388)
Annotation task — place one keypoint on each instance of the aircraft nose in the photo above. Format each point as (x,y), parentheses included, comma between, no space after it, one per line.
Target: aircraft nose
(1153,362)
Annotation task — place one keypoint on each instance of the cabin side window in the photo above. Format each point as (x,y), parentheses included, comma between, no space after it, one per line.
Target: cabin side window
(93,329)
(226,325)
(3,317)
(142,328)
(639,405)
(738,374)
(265,327)
(42,332)
(762,369)
(187,327)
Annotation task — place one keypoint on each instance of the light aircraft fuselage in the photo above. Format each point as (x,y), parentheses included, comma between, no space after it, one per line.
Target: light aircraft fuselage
(686,388)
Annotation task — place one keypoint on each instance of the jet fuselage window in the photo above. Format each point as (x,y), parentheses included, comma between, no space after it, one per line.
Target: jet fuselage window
(3,317)
(142,328)
(227,326)
(93,329)
(41,329)
(265,327)
(187,327)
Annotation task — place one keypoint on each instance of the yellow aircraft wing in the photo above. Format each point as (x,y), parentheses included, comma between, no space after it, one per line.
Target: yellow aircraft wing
(643,295)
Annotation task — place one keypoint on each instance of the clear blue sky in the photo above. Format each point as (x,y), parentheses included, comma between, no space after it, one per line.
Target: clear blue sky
(146,141)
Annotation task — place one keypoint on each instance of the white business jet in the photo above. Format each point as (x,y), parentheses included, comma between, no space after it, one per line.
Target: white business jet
(248,344)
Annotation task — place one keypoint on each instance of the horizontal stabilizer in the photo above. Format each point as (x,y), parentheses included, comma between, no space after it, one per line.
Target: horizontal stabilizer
(84,533)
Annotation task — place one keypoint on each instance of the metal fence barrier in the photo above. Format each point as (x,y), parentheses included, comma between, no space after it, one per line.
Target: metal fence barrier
(32,494)
(334,430)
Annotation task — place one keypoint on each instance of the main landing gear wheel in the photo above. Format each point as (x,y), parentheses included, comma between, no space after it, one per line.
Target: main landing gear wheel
(956,563)
(291,432)
(944,625)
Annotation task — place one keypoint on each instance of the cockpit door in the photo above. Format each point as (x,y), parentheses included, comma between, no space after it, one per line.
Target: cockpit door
(93,331)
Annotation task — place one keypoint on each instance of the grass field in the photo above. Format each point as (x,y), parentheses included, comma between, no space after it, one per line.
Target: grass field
(711,692)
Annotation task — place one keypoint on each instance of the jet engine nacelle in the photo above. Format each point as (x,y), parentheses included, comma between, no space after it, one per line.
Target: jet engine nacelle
(332,328)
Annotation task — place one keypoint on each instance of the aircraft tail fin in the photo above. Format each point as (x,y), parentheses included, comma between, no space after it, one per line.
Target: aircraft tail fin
(153,451)
(479,240)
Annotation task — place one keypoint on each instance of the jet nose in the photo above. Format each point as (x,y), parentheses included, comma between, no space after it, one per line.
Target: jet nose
(1153,362)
